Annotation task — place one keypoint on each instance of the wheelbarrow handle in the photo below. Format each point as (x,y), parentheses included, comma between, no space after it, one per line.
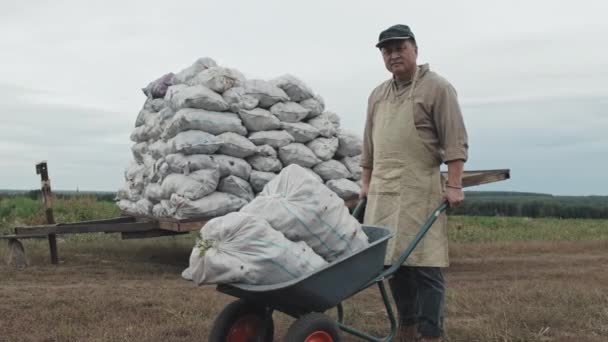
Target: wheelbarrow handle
(359,210)
(423,230)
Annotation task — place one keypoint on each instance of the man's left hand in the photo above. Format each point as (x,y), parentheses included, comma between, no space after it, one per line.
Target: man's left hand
(455,197)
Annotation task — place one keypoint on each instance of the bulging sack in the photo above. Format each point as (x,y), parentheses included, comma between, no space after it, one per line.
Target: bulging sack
(324,125)
(293,87)
(289,111)
(350,144)
(242,248)
(315,105)
(301,132)
(266,93)
(197,96)
(195,142)
(331,169)
(180,163)
(266,164)
(191,71)
(189,187)
(236,186)
(259,179)
(218,79)
(232,166)
(298,154)
(344,188)
(275,139)
(259,119)
(237,99)
(353,164)
(158,88)
(215,123)
(216,204)
(324,148)
(236,145)
(305,210)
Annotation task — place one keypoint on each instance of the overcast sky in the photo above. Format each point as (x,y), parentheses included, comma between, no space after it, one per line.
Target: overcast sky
(532,76)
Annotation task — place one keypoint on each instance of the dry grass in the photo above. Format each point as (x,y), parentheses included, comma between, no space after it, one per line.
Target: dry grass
(112,290)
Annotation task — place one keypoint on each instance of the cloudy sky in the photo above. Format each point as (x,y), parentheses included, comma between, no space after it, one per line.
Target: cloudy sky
(531,76)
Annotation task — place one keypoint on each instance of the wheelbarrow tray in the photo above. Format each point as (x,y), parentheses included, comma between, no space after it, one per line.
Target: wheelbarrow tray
(324,288)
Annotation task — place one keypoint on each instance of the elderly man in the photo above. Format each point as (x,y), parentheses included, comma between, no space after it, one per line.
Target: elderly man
(413,124)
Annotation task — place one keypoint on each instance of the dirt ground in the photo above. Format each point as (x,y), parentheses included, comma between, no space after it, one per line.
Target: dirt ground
(131,291)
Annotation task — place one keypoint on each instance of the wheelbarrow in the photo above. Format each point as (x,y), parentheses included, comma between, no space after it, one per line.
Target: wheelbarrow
(307,298)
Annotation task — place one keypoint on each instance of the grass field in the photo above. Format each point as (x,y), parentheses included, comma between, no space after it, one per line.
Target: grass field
(511,279)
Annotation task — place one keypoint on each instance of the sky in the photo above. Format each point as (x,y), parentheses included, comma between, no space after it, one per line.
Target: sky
(531,77)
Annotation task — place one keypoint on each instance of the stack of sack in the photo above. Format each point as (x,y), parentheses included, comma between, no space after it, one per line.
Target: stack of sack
(295,226)
(208,140)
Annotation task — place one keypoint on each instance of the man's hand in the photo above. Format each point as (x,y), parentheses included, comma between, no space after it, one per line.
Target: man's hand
(455,197)
(366,176)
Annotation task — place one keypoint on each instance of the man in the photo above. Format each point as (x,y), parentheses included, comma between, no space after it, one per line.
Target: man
(413,124)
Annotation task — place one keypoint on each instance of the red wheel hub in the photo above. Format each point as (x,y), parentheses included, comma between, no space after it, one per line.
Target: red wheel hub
(319,336)
(244,329)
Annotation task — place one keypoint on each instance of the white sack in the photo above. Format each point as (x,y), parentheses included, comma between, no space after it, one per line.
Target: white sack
(216,204)
(289,111)
(180,163)
(198,96)
(293,87)
(158,87)
(315,105)
(186,186)
(266,93)
(259,119)
(155,105)
(350,144)
(344,188)
(159,149)
(218,79)
(163,209)
(236,145)
(333,118)
(259,179)
(331,169)
(301,132)
(241,248)
(237,99)
(266,164)
(139,150)
(143,207)
(306,210)
(143,116)
(236,186)
(299,154)
(266,151)
(191,71)
(353,164)
(215,123)
(275,139)
(232,166)
(324,148)
(324,125)
(154,192)
(195,142)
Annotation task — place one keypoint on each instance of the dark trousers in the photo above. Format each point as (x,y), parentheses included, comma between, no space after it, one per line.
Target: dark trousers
(419,293)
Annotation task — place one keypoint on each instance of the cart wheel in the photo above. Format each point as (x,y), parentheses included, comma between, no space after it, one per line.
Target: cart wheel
(314,327)
(242,321)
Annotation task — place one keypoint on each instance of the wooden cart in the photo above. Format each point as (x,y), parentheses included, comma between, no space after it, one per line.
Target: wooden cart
(134,227)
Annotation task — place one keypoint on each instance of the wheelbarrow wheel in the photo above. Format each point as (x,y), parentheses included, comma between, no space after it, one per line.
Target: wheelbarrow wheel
(314,327)
(242,321)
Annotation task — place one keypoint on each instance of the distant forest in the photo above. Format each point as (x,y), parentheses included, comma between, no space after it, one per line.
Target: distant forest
(477,203)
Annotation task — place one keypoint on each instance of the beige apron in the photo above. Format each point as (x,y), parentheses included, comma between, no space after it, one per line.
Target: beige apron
(406,183)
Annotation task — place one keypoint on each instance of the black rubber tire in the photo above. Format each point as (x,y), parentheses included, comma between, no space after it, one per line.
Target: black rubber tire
(231,314)
(308,324)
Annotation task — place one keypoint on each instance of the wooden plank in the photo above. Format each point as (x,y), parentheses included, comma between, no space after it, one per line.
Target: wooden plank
(88,228)
(181,225)
(479,177)
(23,236)
(149,234)
(121,219)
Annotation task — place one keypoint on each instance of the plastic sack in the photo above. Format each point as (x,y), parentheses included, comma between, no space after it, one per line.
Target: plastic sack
(324,148)
(350,144)
(275,139)
(259,179)
(259,119)
(324,125)
(179,163)
(299,154)
(301,132)
(158,87)
(242,248)
(188,187)
(237,99)
(236,186)
(331,169)
(353,164)
(293,87)
(266,164)
(344,188)
(289,111)
(305,210)
(236,145)
(215,123)
(195,142)
(216,204)
(191,71)
(266,93)
(199,97)
(232,166)
(218,79)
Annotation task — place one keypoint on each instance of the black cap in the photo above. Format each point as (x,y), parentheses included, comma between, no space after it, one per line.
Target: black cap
(395,32)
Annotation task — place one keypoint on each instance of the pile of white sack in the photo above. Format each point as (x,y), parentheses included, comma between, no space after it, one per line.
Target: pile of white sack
(208,140)
(295,226)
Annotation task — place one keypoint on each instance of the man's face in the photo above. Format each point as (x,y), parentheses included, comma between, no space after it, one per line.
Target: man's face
(400,58)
